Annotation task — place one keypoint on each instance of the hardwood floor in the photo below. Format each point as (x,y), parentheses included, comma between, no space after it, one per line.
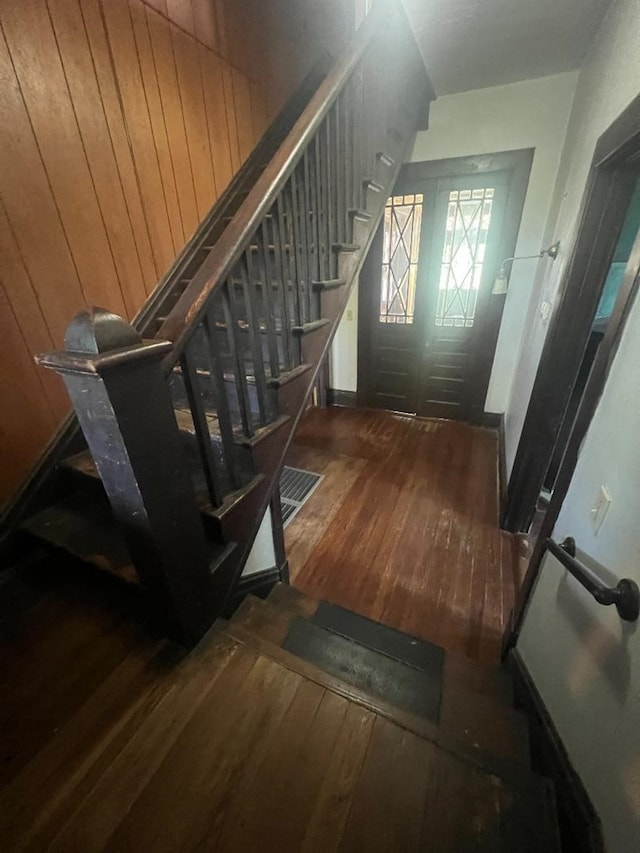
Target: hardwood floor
(113,739)
(404,527)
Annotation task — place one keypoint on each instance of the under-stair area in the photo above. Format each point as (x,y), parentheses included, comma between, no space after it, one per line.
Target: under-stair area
(296,725)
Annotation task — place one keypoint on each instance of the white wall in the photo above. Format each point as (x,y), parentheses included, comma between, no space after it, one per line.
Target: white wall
(262,555)
(343,357)
(530,114)
(585,661)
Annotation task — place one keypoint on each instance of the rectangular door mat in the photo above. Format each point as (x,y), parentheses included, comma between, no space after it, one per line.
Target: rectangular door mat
(407,687)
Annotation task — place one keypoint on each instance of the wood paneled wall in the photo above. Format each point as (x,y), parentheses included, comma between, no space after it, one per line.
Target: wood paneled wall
(121,122)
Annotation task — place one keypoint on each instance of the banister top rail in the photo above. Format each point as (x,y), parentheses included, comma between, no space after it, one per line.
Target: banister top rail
(192,303)
(625,595)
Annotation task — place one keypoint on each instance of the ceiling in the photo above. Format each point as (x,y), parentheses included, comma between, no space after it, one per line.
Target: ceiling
(471,44)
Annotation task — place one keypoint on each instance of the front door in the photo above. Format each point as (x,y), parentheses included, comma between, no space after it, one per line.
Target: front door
(431,317)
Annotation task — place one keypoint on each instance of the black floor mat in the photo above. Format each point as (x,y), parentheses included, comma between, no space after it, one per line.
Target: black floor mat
(395,644)
(404,687)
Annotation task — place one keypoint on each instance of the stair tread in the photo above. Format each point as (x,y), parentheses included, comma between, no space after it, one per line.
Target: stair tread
(329,284)
(493,682)
(85,527)
(248,627)
(486,721)
(86,530)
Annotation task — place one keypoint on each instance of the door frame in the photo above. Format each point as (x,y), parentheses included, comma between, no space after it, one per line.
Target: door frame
(614,168)
(518,162)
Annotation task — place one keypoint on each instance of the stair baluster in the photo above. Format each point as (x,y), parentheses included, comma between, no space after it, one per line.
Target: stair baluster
(257,304)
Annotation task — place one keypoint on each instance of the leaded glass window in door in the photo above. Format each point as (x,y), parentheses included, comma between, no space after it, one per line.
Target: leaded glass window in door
(402,220)
(465,244)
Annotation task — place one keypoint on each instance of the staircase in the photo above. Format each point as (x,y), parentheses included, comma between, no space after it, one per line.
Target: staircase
(296,726)
(186,415)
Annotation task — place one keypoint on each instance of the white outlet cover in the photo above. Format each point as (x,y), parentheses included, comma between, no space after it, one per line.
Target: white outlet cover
(600,508)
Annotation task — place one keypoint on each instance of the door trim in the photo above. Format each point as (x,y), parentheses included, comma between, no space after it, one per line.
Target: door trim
(519,163)
(609,183)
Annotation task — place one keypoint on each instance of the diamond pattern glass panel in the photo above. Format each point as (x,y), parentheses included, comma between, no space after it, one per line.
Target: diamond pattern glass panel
(402,220)
(465,243)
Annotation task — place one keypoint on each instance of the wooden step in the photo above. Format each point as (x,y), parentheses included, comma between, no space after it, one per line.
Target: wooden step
(484,722)
(373,185)
(82,524)
(255,621)
(83,468)
(229,748)
(329,284)
(346,247)
(359,213)
(308,328)
(84,527)
(492,682)
(385,159)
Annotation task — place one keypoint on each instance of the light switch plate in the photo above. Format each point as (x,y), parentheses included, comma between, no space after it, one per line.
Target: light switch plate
(600,508)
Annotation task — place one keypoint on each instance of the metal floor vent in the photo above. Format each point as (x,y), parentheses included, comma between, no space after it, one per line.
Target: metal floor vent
(296,487)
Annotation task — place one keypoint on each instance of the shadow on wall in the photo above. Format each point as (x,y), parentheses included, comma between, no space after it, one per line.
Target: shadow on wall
(599,648)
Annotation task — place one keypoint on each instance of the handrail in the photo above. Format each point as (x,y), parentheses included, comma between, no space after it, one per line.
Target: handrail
(229,248)
(625,595)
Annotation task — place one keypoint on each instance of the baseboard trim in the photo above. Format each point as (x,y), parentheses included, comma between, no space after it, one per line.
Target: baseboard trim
(258,583)
(503,480)
(492,419)
(346,399)
(580,826)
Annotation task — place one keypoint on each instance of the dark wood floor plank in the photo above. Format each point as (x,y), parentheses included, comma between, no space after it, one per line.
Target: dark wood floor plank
(274,811)
(60,765)
(412,540)
(387,808)
(115,795)
(206,764)
(258,805)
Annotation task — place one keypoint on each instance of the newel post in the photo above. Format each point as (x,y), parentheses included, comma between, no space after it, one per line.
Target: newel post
(122,401)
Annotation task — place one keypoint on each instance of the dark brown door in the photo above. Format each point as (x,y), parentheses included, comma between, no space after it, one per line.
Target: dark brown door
(431,319)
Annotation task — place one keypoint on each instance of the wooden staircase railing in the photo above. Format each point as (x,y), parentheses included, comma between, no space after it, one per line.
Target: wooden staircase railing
(187,430)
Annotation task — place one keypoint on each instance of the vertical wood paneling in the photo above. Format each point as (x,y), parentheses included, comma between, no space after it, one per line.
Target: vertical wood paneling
(31,209)
(195,119)
(159,123)
(204,20)
(21,294)
(165,66)
(138,123)
(85,95)
(244,119)
(21,392)
(122,121)
(217,124)
(118,134)
(232,125)
(37,64)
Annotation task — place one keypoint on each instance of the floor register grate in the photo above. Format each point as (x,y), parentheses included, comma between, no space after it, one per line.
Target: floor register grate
(296,487)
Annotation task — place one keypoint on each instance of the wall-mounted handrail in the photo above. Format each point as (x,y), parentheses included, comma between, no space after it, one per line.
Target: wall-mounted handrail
(625,595)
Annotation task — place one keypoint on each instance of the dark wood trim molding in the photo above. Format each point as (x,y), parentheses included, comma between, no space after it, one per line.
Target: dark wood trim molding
(259,583)
(517,164)
(580,826)
(558,354)
(492,420)
(347,399)
(610,184)
(503,480)
(495,420)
